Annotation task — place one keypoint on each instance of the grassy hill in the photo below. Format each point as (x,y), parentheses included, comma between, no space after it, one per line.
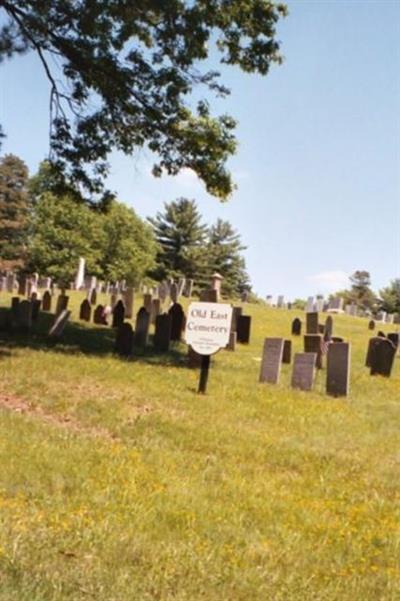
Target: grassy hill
(119,482)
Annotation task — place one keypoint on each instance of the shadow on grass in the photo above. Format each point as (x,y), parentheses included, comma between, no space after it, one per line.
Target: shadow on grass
(77,338)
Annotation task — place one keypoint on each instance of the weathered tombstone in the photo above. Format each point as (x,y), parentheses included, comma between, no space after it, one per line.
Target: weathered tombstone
(287,351)
(394,337)
(328,329)
(231,346)
(25,315)
(155,309)
(173,292)
(118,314)
(15,308)
(162,291)
(46,302)
(216,282)
(280,303)
(59,324)
(162,333)
(243,327)
(147,300)
(338,369)
(382,357)
(236,312)
(92,296)
(98,315)
(36,303)
(187,291)
(296,327)
(312,323)
(80,274)
(310,304)
(62,303)
(85,310)
(313,344)
(124,340)
(177,321)
(209,296)
(128,300)
(303,371)
(371,325)
(141,328)
(22,285)
(271,360)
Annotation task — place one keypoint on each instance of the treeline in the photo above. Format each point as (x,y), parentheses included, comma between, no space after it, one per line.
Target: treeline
(45,226)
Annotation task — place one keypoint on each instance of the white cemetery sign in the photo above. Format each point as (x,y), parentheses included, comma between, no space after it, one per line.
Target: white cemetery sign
(208,326)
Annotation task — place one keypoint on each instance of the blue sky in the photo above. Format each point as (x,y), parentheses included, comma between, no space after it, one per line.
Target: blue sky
(318,164)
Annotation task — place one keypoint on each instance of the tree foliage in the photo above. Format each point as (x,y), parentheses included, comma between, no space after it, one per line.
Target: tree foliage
(390,297)
(225,248)
(128,70)
(14,209)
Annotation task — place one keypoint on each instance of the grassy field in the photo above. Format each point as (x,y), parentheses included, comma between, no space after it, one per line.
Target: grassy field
(119,482)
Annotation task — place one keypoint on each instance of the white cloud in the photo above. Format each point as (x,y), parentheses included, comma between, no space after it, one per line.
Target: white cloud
(329,281)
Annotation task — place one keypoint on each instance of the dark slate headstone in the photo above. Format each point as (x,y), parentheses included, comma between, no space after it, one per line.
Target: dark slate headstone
(296,327)
(46,301)
(381,334)
(22,285)
(177,321)
(303,370)
(271,360)
(62,303)
(236,312)
(25,315)
(287,351)
(15,308)
(328,328)
(209,296)
(141,328)
(338,369)
(371,325)
(124,340)
(98,316)
(118,314)
(382,356)
(162,333)
(147,300)
(85,310)
(36,304)
(313,344)
(394,337)
(312,323)
(155,309)
(243,328)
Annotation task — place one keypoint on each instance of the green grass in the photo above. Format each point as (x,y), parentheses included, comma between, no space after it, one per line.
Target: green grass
(122,483)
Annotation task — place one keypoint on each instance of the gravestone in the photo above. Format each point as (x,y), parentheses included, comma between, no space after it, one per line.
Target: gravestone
(124,340)
(92,296)
(328,329)
(209,296)
(36,303)
(280,302)
(243,327)
(141,328)
(312,323)
(15,308)
(25,315)
(321,328)
(394,337)
(287,351)
(162,333)
(236,312)
(296,327)
(113,300)
(59,324)
(371,325)
(310,304)
(118,314)
(129,295)
(231,346)
(173,292)
(147,300)
(304,371)
(85,310)
(181,286)
(46,302)
(22,285)
(162,291)
(187,292)
(313,344)
(338,369)
(381,356)
(62,303)
(98,316)
(155,309)
(177,321)
(271,360)
(381,334)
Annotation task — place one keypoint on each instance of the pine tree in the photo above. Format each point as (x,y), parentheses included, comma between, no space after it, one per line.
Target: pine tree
(14,209)
(224,251)
(182,240)
(390,297)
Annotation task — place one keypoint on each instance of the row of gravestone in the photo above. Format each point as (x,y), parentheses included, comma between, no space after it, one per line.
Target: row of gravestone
(277,351)
(24,313)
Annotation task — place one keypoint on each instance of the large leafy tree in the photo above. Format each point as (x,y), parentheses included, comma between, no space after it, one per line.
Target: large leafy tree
(14,210)
(127,71)
(360,292)
(181,236)
(61,233)
(129,245)
(225,257)
(390,297)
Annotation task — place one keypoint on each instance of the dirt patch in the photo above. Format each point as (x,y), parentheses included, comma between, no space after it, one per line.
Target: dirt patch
(18,405)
